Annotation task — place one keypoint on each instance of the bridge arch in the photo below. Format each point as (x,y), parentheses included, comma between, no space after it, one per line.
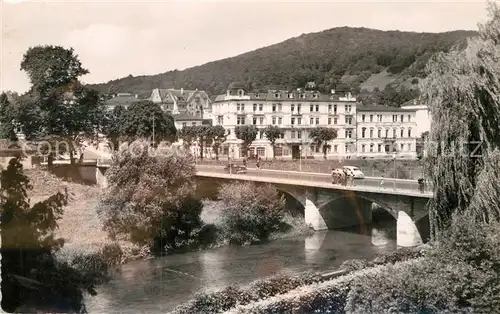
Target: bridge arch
(384,205)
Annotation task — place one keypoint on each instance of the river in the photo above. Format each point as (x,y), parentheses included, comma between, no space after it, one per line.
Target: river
(158,285)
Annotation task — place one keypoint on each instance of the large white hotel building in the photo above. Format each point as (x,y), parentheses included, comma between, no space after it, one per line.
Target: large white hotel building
(362,132)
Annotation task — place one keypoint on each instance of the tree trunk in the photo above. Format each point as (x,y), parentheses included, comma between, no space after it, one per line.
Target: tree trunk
(274,151)
(201,149)
(50,160)
(71,156)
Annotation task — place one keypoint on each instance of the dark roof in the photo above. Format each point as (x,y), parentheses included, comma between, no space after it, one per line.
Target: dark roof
(289,96)
(171,95)
(382,109)
(122,100)
(236,85)
(186,117)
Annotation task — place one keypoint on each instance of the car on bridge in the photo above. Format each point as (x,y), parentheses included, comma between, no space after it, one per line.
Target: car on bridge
(233,168)
(354,171)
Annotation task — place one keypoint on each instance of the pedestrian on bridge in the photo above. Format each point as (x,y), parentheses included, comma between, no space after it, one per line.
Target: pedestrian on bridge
(382,181)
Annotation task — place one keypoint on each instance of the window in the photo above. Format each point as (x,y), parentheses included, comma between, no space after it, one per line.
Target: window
(261,134)
(261,107)
(386,132)
(329,120)
(329,108)
(379,133)
(254,107)
(286,152)
(278,151)
(409,147)
(409,117)
(379,148)
(394,133)
(311,120)
(317,108)
(311,108)
(317,120)
(279,120)
(292,108)
(371,118)
(348,108)
(335,149)
(299,120)
(348,134)
(402,118)
(363,130)
(334,120)
(371,133)
(348,120)
(298,108)
(225,150)
(257,95)
(379,118)
(254,120)
(277,95)
(371,148)
(279,107)
(228,132)
(315,96)
(346,148)
(220,120)
(184,124)
(402,133)
(363,118)
(240,120)
(363,148)
(402,147)
(290,95)
(299,134)
(274,107)
(394,118)
(409,132)
(292,134)
(274,120)
(292,121)
(334,109)
(261,120)
(238,108)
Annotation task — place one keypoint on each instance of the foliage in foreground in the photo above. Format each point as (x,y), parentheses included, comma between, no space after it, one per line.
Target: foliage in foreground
(250,212)
(30,271)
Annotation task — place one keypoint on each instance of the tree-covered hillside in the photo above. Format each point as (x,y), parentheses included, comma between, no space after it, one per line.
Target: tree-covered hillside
(336,58)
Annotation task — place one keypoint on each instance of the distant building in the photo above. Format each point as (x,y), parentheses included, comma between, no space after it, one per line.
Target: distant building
(296,112)
(188,107)
(383,131)
(122,99)
(422,115)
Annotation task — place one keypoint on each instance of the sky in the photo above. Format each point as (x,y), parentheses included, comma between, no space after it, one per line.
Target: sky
(116,38)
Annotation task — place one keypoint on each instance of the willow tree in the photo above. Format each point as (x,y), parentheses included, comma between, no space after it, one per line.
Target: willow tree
(462,90)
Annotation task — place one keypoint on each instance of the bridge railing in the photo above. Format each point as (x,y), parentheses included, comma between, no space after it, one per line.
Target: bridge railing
(104,161)
(322,166)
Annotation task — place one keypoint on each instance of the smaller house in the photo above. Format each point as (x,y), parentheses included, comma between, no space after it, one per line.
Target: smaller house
(122,99)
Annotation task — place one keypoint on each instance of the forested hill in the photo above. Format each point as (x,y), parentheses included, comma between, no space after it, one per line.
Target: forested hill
(358,58)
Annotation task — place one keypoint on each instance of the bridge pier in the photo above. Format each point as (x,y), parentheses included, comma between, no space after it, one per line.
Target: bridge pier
(407,232)
(313,216)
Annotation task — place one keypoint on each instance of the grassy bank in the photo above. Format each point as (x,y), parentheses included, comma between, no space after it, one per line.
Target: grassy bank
(402,169)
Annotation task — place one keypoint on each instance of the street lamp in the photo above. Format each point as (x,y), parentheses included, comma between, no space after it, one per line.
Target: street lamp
(394,180)
(300,157)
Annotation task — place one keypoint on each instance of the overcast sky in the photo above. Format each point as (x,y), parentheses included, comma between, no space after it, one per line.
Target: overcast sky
(117,38)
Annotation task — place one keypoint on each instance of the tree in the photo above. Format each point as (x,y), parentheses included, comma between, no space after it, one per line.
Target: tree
(8,116)
(139,120)
(248,134)
(462,90)
(28,246)
(250,212)
(217,136)
(188,135)
(113,125)
(321,136)
(62,108)
(150,197)
(273,133)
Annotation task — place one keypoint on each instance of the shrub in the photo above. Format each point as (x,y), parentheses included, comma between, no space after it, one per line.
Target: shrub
(400,255)
(355,264)
(250,212)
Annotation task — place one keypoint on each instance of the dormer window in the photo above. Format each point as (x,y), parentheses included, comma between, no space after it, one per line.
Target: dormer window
(277,95)
(315,96)
(303,96)
(257,95)
(240,92)
(290,95)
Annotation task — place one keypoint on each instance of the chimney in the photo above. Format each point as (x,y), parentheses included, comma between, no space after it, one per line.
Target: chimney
(182,91)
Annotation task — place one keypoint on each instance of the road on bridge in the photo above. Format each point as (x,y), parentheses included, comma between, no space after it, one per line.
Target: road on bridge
(388,183)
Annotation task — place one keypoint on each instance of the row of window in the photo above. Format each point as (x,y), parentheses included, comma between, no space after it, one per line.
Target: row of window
(279,108)
(394,118)
(379,133)
(240,120)
(385,149)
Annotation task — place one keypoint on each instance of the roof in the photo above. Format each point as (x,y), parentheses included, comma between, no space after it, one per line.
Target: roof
(122,100)
(284,95)
(187,117)
(236,85)
(170,95)
(382,109)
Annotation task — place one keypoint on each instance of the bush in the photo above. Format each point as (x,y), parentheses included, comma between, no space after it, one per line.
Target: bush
(400,255)
(250,212)
(355,264)
(229,297)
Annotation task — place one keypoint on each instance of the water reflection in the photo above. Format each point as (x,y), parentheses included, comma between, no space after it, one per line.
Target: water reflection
(160,284)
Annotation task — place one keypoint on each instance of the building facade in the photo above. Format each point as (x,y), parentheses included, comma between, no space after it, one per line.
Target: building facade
(422,115)
(295,112)
(386,132)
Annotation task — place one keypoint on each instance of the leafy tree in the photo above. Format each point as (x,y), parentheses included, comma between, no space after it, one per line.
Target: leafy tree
(138,122)
(149,199)
(462,93)
(321,136)
(188,134)
(28,246)
(113,125)
(8,116)
(217,136)
(248,134)
(273,133)
(250,212)
(62,109)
